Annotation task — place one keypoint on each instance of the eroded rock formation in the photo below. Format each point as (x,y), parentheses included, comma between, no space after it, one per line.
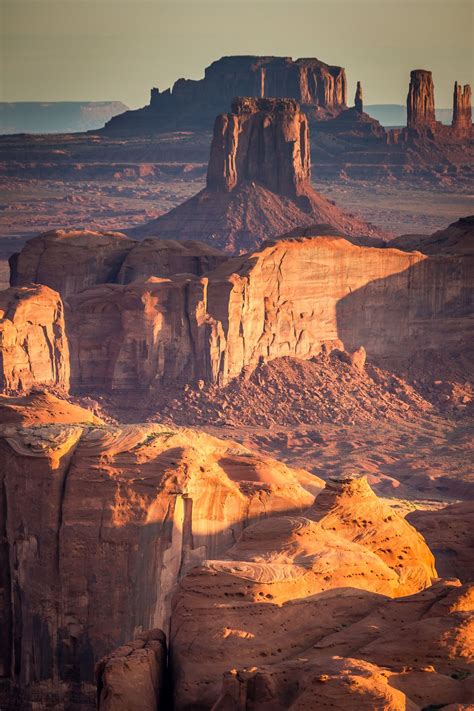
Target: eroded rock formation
(33,343)
(279,587)
(420,100)
(258,183)
(98,523)
(462,111)
(358,99)
(406,654)
(70,260)
(133,675)
(290,298)
(321,88)
(262,140)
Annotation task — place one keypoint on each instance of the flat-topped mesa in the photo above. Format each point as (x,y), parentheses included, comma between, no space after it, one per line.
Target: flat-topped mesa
(358,99)
(264,141)
(462,112)
(420,100)
(318,86)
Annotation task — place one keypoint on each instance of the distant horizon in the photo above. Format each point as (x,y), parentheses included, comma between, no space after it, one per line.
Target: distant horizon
(61,50)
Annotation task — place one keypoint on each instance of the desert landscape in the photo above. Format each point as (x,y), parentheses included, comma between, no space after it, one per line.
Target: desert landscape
(236,407)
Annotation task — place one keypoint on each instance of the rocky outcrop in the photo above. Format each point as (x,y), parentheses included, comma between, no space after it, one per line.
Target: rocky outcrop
(258,183)
(163,258)
(33,343)
(462,111)
(70,260)
(450,534)
(279,588)
(407,654)
(262,140)
(133,676)
(420,100)
(321,88)
(291,298)
(358,99)
(98,523)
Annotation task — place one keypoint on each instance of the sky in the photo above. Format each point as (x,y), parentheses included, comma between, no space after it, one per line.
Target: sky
(101,50)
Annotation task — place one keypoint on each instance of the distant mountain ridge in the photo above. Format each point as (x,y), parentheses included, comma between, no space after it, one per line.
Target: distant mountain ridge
(56,116)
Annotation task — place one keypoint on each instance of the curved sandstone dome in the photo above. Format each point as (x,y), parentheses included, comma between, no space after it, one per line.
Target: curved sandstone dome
(284,580)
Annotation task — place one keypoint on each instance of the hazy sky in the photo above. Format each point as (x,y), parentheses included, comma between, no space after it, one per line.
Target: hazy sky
(96,50)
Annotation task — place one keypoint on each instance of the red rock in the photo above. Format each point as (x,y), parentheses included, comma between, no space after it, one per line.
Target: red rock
(190,104)
(133,676)
(462,111)
(100,523)
(262,140)
(420,100)
(33,342)
(70,260)
(358,100)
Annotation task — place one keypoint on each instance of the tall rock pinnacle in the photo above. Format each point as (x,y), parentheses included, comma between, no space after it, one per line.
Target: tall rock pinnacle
(462,112)
(261,140)
(358,100)
(420,100)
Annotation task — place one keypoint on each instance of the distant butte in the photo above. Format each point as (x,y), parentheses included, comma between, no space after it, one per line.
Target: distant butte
(258,183)
(190,104)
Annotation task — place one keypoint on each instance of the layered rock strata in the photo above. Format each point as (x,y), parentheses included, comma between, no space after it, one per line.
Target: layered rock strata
(321,88)
(98,523)
(33,344)
(291,298)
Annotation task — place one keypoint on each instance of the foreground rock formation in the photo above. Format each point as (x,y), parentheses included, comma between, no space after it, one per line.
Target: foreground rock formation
(280,586)
(98,523)
(105,520)
(319,87)
(33,343)
(258,183)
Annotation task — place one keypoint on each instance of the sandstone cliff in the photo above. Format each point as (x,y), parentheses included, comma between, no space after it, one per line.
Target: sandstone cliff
(321,88)
(33,343)
(98,523)
(290,298)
